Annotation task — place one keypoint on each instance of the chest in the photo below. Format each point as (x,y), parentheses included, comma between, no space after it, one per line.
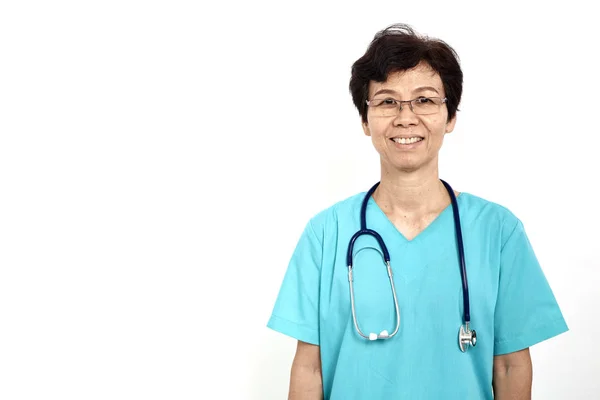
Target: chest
(426,274)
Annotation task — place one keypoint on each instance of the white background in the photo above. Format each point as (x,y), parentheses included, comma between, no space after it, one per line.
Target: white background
(158,161)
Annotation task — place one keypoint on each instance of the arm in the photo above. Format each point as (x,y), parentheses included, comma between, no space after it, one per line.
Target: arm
(305,381)
(512,376)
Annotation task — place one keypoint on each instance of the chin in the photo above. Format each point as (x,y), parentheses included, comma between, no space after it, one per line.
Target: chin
(408,168)
(404,166)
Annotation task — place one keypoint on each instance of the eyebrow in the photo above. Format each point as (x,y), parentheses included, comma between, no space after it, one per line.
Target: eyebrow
(419,89)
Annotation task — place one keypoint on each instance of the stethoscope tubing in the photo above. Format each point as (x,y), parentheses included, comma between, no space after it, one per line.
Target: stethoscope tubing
(365,231)
(461,253)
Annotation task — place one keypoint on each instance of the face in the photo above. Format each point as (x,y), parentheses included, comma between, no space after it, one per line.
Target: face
(387,132)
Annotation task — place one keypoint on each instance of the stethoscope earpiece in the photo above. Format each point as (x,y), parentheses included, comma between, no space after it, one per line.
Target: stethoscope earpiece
(383,335)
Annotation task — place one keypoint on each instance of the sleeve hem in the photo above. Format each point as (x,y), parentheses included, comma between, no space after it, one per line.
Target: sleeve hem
(294,330)
(526,340)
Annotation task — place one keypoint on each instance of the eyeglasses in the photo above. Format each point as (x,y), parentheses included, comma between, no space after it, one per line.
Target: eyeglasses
(390,107)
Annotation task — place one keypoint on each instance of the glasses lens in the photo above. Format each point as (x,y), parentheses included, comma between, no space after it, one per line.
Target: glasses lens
(426,105)
(384,107)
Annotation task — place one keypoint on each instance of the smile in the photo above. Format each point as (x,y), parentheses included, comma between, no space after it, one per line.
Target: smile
(407,140)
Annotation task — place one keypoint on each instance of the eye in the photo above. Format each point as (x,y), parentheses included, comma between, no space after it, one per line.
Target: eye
(387,102)
(423,100)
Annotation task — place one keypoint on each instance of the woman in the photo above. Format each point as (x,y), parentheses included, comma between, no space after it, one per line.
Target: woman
(453,314)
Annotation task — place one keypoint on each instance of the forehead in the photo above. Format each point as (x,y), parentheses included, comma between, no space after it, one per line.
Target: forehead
(410,81)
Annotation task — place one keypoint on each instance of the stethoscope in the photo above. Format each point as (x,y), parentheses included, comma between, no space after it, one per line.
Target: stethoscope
(466,336)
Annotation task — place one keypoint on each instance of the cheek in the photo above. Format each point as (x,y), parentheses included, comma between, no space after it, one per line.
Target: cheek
(378,127)
(437,127)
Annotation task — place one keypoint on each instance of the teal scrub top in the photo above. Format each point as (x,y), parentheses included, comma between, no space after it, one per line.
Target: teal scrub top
(512,305)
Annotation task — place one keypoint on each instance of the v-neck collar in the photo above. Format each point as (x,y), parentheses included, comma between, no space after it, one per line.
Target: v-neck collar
(427,231)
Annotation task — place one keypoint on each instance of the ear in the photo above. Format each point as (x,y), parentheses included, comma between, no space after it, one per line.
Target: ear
(450,125)
(366,129)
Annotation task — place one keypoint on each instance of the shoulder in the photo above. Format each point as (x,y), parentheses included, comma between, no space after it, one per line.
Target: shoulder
(499,218)
(323,220)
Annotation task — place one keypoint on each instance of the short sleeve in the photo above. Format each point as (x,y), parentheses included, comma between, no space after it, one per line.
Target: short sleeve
(296,310)
(526,309)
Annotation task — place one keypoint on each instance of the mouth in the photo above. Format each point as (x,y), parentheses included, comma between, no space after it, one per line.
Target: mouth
(407,140)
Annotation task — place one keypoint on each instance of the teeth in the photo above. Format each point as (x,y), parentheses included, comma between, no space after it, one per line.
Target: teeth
(408,140)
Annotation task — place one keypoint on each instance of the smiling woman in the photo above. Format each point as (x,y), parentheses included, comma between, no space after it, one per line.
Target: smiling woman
(420,128)
(395,322)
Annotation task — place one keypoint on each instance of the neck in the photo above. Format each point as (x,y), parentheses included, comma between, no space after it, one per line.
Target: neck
(411,192)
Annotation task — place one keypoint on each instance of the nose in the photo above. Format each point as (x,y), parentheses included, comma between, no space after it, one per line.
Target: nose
(406,117)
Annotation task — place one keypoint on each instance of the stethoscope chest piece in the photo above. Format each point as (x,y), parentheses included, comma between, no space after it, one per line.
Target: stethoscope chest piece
(466,337)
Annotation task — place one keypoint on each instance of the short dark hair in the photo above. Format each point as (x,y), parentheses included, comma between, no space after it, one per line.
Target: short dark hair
(399,48)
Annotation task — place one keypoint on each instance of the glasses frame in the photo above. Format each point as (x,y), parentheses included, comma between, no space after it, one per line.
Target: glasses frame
(399,104)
